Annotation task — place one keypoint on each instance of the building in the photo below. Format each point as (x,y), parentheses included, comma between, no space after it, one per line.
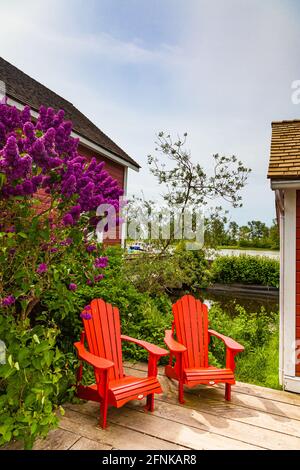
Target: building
(284,173)
(23,90)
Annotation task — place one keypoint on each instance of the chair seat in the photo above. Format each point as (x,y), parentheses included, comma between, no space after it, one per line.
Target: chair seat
(208,375)
(132,388)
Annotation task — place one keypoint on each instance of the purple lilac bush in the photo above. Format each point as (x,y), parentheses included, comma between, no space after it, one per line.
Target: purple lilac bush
(44,155)
(46,247)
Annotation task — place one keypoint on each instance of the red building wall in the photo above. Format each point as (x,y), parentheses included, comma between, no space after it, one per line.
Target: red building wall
(117,172)
(297,333)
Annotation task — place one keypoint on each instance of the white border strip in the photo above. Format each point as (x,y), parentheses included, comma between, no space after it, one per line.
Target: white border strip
(124,224)
(291,384)
(289,280)
(281,299)
(285,184)
(87,143)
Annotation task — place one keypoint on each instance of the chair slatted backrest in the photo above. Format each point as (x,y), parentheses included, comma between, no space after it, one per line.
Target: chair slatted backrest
(191,327)
(103,335)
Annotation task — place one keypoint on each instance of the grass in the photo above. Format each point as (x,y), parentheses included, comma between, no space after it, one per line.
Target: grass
(260,367)
(244,248)
(259,333)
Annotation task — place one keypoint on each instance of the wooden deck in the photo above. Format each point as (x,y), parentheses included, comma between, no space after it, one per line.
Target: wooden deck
(256,418)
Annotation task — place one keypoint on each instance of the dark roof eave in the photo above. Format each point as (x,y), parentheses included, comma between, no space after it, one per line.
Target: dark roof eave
(126,163)
(25,90)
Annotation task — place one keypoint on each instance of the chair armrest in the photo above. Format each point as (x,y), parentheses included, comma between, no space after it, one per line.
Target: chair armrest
(151,348)
(95,361)
(172,344)
(229,343)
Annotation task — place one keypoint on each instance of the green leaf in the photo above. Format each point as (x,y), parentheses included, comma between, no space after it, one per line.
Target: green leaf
(33,427)
(36,339)
(22,235)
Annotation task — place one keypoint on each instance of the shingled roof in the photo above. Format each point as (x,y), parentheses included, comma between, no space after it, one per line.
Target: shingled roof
(26,90)
(285,150)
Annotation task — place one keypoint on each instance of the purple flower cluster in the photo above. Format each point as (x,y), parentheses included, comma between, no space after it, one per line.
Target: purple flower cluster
(86,315)
(8,301)
(44,155)
(72,286)
(101,262)
(42,268)
(91,248)
(66,242)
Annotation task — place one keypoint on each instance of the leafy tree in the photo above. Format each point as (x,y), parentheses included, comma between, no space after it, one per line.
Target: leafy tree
(215,228)
(233,233)
(257,230)
(274,235)
(187,185)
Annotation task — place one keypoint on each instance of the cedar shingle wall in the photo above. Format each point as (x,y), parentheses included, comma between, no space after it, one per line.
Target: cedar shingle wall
(298,274)
(285,150)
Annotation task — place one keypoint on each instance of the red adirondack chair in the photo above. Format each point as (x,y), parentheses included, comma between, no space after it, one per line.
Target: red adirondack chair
(191,348)
(103,335)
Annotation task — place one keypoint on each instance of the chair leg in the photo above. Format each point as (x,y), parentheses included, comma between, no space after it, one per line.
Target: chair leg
(103,392)
(228,392)
(103,413)
(150,402)
(79,374)
(180,392)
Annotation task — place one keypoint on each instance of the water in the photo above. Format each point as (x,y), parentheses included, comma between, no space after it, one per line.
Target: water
(249,301)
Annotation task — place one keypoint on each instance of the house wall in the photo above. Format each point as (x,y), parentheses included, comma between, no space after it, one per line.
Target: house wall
(290,290)
(116,171)
(288,245)
(297,327)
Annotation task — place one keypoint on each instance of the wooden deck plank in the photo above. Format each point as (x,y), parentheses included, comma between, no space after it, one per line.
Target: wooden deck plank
(268,393)
(254,402)
(57,439)
(88,444)
(214,423)
(219,407)
(187,432)
(241,388)
(116,436)
(212,398)
(255,418)
(194,438)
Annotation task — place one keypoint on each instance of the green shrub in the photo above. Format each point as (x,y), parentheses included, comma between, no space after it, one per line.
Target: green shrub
(259,334)
(153,274)
(142,315)
(34,381)
(194,267)
(158,274)
(245,269)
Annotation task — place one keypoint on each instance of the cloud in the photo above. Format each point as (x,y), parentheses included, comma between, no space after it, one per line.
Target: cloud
(219,70)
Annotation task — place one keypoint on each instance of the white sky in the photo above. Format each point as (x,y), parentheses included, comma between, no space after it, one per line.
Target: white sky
(219,69)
